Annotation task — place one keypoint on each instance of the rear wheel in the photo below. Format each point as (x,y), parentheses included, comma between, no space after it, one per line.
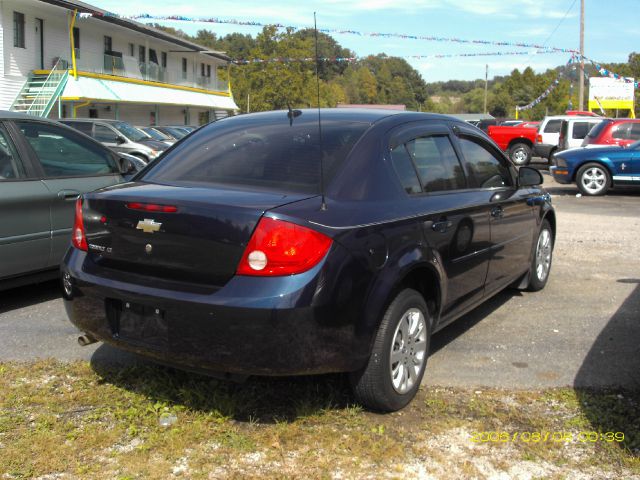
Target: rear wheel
(541,261)
(395,369)
(593,179)
(520,154)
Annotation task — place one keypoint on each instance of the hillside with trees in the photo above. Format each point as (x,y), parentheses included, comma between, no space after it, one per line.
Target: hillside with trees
(280,72)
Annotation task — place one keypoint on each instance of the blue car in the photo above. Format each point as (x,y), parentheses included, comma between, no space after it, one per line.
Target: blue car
(596,170)
(272,244)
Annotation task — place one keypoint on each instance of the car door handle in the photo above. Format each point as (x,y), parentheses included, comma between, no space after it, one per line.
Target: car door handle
(497,212)
(441,227)
(68,194)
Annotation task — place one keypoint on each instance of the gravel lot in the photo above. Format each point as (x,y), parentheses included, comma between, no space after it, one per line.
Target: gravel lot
(581,330)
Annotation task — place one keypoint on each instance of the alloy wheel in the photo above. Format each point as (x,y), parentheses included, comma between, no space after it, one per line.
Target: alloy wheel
(408,350)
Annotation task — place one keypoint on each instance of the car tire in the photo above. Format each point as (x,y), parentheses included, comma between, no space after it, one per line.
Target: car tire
(541,258)
(593,179)
(398,359)
(520,154)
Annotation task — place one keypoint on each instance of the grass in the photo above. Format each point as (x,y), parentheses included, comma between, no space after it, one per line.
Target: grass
(71,420)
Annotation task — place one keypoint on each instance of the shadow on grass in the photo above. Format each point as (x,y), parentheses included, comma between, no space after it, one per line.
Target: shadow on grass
(608,382)
(258,399)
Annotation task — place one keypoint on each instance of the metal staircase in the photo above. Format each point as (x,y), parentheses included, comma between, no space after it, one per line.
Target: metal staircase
(40,92)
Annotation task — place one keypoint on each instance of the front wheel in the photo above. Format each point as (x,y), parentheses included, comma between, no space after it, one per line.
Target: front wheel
(395,369)
(541,261)
(520,154)
(593,179)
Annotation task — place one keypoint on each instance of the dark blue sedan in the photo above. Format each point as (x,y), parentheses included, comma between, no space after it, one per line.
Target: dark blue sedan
(275,244)
(596,170)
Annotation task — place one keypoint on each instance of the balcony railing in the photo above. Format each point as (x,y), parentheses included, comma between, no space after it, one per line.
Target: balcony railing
(129,67)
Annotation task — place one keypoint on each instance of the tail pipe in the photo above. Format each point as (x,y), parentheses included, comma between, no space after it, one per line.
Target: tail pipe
(86,339)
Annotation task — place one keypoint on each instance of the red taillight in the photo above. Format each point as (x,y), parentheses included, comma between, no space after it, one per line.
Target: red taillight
(78,238)
(539,139)
(278,247)
(152,207)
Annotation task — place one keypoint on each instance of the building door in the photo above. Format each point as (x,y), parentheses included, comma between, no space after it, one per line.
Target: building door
(39,43)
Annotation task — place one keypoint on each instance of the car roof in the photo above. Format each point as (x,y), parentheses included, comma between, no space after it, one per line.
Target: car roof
(8,115)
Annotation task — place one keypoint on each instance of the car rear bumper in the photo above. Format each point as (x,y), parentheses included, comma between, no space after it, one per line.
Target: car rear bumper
(542,150)
(251,326)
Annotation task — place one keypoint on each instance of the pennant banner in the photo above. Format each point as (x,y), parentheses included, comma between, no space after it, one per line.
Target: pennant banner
(606,73)
(547,92)
(355,59)
(429,38)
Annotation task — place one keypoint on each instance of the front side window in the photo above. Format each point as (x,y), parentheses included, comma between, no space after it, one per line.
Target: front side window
(18,30)
(10,165)
(104,134)
(622,131)
(63,153)
(485,169)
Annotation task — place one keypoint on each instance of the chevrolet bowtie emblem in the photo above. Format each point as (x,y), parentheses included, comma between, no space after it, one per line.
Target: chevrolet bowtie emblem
(148,225)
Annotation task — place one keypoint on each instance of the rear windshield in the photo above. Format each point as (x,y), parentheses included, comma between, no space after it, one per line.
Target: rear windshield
(260,153)
(595,131)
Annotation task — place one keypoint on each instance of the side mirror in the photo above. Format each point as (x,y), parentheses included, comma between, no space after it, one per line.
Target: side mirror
(120,140)
(126,166)
(529,177)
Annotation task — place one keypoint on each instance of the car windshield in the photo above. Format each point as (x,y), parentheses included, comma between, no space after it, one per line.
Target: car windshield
(257,154)
(635,145)
(155,134)
(130,131)
(176,132)
(597,128)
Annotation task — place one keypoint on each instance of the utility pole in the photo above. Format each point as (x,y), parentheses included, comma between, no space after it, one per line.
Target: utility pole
(486,83)
(581,89)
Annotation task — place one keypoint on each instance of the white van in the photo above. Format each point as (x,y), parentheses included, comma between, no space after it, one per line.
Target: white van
(549,132)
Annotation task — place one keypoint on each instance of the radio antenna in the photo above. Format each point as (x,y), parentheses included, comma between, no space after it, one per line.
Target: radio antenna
(323,204)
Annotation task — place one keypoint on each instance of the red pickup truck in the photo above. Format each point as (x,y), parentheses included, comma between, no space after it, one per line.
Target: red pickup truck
(516,141)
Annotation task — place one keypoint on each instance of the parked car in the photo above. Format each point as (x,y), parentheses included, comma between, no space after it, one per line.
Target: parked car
(235,259)
(119,136)
(157,135)
(516,141)
(613,131)
(172,132)
(44,167)
(596,170)
(574,130)
(546,142)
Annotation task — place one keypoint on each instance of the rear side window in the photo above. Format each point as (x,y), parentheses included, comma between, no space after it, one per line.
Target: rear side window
(622,131)
(284,155)
(437,164)
(405,169)
(10,165)
(104,134)
(485,169)
(553,126)
(63,153)
(580,129)
(84,127)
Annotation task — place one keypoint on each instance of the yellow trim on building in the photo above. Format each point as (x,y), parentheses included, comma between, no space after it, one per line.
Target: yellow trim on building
(115,78)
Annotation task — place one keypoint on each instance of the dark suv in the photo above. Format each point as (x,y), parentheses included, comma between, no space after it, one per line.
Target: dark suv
(261,247)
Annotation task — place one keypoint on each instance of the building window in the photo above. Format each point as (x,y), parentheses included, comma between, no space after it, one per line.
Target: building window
(208,71)
(132,50)
(163,57)
(184,68)
(153,56)
(76,41)
(142,54)
(18,29)
(202,69)
(108,45)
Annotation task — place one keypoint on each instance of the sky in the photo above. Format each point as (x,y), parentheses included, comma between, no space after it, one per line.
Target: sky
(611,28)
